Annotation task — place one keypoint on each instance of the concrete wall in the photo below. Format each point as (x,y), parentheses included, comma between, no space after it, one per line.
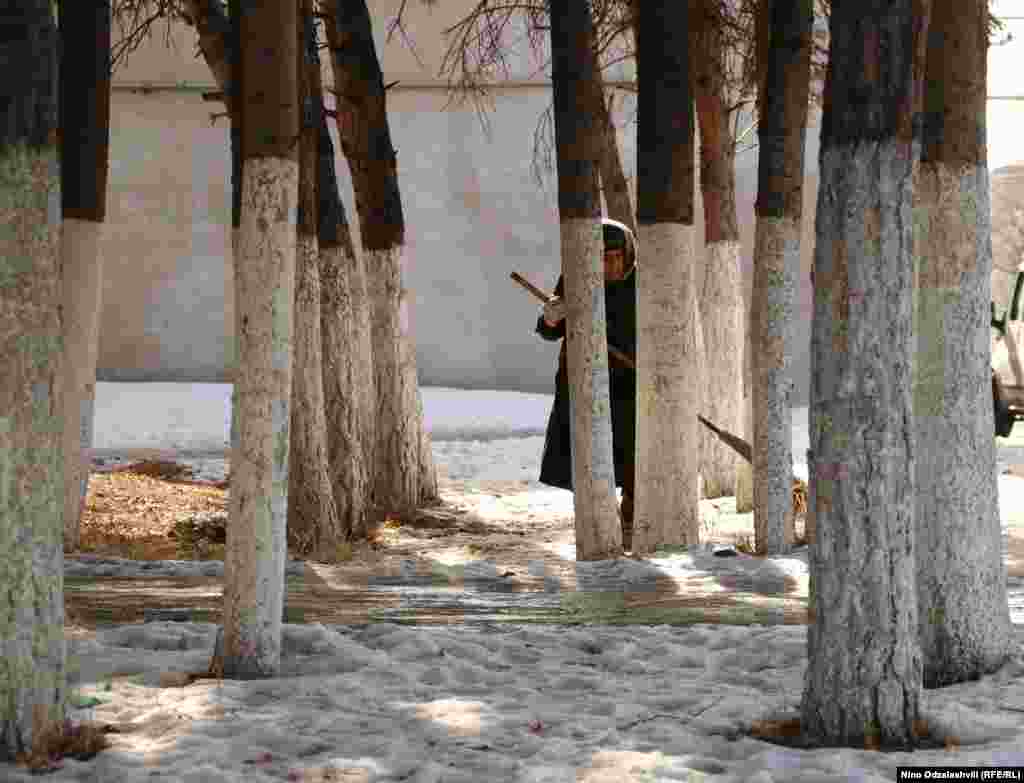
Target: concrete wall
(474,213)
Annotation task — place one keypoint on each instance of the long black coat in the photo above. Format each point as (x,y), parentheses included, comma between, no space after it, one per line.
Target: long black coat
(556,464)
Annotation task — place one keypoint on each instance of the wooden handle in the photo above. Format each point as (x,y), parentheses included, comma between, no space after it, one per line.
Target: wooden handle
(530,287)
(612,350)
(622,357)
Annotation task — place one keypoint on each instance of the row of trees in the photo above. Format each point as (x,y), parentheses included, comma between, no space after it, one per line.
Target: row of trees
(327,423)
(721,52)
(908,584)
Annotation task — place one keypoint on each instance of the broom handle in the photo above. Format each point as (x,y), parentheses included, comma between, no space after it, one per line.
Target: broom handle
(625,358)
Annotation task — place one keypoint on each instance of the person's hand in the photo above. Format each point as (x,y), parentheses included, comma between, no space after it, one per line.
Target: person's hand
(554,310)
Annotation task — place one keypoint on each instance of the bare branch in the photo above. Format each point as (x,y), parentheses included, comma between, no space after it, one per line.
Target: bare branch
(135,20)
(397,24)
(543,146)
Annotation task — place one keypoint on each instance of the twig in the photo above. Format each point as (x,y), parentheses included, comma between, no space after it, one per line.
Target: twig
(669,715)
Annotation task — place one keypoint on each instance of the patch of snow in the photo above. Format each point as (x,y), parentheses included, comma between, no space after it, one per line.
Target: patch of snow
(494,702)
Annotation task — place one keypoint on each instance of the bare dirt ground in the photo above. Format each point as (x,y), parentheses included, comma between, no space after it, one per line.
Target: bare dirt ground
(132,512)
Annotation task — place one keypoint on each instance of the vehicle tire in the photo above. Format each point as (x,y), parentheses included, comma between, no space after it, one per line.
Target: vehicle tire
(1003,419)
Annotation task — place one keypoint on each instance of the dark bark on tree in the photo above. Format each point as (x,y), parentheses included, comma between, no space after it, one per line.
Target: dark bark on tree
(230,79)
(217,39)
(232,88)
(863,680)
(964,620)
(717,147)
(313,523)
(31,100)
(667,361)
(717,161)
(578,150)
(577,136)
(782,129)
(665,167)
(272,111)
(363,127)
(33,675)
(613,179)
(85,109)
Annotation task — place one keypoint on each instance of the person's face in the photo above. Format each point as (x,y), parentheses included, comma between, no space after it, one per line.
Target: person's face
(614,263)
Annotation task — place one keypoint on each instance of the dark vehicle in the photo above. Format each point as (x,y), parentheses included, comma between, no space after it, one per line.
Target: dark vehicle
(1008,363)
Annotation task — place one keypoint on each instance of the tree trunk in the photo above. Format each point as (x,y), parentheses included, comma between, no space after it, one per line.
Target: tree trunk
(236,109)
(33,679)
(344,321)
(703,436)
(347,361)
(667,508)
(863,680)
(783,112)
(397,469)
(613,179)
(721,296)
(365,363)
(964,619)
(265,291)
(366,142)
(429,493)
(85,97)
(578,147)
(313,524)
(363,373)
(214,29)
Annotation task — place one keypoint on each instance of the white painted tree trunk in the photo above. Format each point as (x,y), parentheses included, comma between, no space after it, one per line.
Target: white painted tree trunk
(598,532)
(428,471)
(863,677)
(744,471)
(777,253)
(364,374)
(666,506)
(704,435)
(33,678)
(961,574)
(255,552)
(398,444)
(88,410)
(723,320)
(231,344)
(313,525)
(343,372)
(428,492)
(82,275)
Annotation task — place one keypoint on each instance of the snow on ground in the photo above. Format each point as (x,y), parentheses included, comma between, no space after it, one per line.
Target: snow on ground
(487,702)
(385,702)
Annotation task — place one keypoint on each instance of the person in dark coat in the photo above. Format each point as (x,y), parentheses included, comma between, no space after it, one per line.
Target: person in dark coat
(620,255)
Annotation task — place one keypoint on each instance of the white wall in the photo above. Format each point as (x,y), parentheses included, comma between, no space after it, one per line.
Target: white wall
(473,211)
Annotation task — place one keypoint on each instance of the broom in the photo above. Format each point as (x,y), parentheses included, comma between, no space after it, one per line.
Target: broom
(744,449)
